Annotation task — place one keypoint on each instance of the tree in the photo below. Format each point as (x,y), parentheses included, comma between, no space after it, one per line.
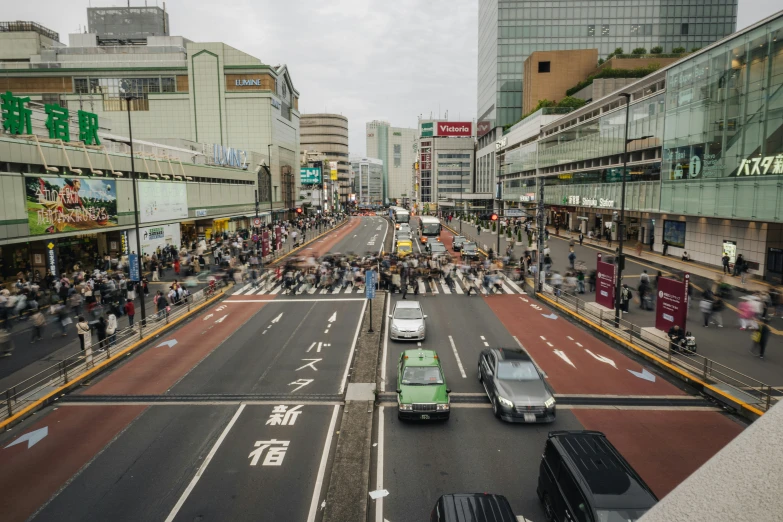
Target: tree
(519,235)
(639,50)
(678,50)
(570,101)
(694,49)
(656,50)
(601,61)
(617,51)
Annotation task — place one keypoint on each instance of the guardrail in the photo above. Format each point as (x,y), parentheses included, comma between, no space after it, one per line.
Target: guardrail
(723,383)
(72,369)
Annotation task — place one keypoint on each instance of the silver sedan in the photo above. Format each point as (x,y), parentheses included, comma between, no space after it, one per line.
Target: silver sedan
(407,322)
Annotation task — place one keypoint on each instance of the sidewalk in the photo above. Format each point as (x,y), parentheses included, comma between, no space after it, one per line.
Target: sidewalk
(727,345)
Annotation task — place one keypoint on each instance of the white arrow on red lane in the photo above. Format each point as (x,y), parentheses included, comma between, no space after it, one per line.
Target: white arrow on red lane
(222,319)
(602,359)
(208,316)
(32,438)
(563,356)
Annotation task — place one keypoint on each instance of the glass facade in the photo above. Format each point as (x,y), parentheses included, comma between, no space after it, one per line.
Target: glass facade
(110,89)
(509,31)
(724,109)
(604,135)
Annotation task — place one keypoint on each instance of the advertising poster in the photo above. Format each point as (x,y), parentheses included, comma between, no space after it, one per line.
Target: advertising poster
(671,307)
(278,238)
(162,201)
(674,233)
(604,283)
(56,205)
(154,237)
(455,128)
(265,243)
(133,265)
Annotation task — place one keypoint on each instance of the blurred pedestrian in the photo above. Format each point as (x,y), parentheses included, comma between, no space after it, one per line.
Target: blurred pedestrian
(760,338)
(111,328)
(130,311)
(82,329)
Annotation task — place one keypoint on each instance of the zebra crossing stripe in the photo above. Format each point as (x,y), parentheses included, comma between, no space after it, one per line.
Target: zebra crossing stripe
(422,288)
(239,292)
(445,286)
(458,287)
(276,290)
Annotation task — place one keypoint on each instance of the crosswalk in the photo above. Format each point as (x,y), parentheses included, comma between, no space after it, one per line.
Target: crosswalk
(433,287)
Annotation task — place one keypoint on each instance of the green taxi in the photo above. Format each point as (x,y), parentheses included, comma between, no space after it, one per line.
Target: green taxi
(421,388)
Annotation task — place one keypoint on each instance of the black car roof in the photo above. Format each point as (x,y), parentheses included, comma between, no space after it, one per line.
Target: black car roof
(476,507)
(512,354)
(612,482)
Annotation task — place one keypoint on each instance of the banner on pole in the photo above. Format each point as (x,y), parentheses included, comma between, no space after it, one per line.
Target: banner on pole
(671,307)
(605,283)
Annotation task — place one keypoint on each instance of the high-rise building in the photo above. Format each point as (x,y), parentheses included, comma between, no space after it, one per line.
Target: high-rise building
(368,181)
(510,30)
(328,134)
(396,147)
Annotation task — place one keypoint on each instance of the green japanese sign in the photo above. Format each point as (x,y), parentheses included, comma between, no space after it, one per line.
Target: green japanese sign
(310,175)
(57,122)
(88,128)
(17,120)
(16,117)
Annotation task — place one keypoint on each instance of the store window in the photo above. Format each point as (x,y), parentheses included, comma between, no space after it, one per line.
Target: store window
(397,155)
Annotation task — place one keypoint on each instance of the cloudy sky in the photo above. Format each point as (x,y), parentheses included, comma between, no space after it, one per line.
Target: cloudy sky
(365,59)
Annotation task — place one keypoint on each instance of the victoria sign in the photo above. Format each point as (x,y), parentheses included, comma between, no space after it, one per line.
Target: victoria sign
(455,128)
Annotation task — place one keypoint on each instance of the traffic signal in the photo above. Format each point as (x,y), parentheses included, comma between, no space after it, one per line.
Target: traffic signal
(299,210)
(494,217)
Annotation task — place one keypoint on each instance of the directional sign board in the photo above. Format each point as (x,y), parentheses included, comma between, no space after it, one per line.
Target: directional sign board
(133,264)
(369,287)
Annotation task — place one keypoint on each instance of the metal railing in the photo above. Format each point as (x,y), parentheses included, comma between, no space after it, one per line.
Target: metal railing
(72,368)
(741,387)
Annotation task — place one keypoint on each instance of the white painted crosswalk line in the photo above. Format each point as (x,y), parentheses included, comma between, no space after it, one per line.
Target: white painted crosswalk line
(458,287)
(422,288)
(264,289)
(239,291)
(337,289)
(506,288)
(445,286)
(276,290)
(323,290)
(348,289)
(434,286)
(513,285)
(312,290)
(253,290)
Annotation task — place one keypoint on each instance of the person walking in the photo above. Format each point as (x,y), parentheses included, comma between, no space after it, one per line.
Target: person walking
(130,311)
(625,297)
(111,328)
(725,260)
(102,327)
(717,306)
(581,238)
(38,321)
(706,309)
(572,258)
(760,338)
(82,329)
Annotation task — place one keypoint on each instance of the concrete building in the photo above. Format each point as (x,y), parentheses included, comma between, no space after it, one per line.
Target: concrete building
(549,74)
(509,31)
(396,147)
(328,134)
(446,163)
(368,181)
(21,40)
(209,94)
(704,173)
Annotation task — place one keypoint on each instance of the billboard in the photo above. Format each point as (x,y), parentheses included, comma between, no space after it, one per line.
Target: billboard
(333,170)
(56,205)
(483,127)
(454,128)
(605,283)
(162,201)
(154,237)
(671,307)
(310,175)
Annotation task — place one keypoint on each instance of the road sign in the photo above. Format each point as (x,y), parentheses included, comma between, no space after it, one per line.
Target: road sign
(255,238)
(133,262)
(369,287)
(256,222)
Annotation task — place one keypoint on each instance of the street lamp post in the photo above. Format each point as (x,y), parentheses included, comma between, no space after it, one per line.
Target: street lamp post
(128,96)
(620,260)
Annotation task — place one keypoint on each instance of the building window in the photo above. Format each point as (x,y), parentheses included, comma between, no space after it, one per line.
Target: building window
(544,67)
(683,28)
(397,155)
(604,30)
(590,30)
(636,30)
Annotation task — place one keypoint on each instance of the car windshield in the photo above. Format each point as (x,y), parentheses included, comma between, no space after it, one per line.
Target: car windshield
(407,313)
(619,515)
(430,228)
(404,248)
(517,371)
(459,239)
(421,375)
(469,246)
(437,247)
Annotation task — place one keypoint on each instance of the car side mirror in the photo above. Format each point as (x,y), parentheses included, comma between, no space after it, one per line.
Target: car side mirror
(425,316)
(390,315)
(399,390)
(448,390)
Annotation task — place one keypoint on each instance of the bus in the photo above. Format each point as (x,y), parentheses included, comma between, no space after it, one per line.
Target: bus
(400,215)
(429,227)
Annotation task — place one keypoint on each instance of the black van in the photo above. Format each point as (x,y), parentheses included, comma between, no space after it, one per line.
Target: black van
(472,507)
(583,478)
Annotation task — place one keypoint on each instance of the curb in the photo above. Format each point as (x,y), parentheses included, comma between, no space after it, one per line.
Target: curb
(99,368)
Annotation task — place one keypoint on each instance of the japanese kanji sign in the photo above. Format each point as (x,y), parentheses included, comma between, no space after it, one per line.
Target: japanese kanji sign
(284,416)
(16,116)
(88,128)
(56,205)
(57,122)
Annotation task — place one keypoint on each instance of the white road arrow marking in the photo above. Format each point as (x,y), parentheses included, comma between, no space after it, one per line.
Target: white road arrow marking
(644,374)
(333,318)
(169,343)
(310,364)
(222,319)
(550,316)
(602,359)
(277,319)
(525,300)
(311,347)
(563,356)
(220,308)
(32,438)
(208,316)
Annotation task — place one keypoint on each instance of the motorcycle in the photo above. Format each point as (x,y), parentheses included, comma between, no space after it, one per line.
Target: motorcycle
(685,345)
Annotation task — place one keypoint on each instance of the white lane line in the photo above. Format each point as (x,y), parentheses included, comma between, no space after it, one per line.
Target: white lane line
(383,239)
(459,362)
(550,344)
(570,338)
(579,345)
(379,468)
(542,338)
(486,343)
(385,343)
(319,481)
(483,338)
(353,348)
(204,465)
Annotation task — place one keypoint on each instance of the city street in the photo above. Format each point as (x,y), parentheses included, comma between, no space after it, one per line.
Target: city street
(249,399)
(728,345)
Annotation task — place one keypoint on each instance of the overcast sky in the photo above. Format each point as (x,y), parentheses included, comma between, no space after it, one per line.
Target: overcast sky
(365,59)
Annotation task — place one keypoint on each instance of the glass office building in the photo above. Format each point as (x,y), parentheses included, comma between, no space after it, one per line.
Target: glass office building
(510,30)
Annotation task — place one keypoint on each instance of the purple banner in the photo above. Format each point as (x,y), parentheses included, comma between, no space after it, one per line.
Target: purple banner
(671,307)
(604,283)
